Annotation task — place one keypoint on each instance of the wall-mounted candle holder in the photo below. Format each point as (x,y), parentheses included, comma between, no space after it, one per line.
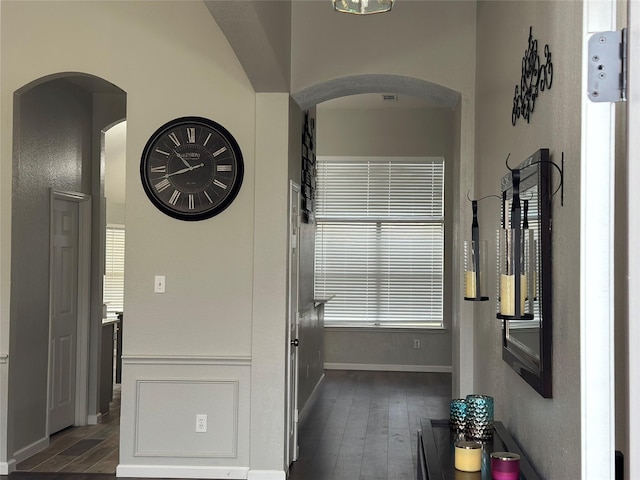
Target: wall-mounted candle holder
(475,260)
(515,243)
(475,263)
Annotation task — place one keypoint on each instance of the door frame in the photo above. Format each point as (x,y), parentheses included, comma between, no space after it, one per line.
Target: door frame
(84,302)
(597,188)
(292,316)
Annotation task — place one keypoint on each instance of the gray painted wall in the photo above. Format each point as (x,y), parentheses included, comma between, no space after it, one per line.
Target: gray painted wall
(547,429)
(392,132)
(53,150)
(57,144)
(310,330)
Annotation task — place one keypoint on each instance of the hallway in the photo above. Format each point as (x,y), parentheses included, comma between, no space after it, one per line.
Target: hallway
(362,426)
(89,449)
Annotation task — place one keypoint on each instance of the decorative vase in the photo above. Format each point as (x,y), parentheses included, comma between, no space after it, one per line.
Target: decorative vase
(479,425)
(458,414)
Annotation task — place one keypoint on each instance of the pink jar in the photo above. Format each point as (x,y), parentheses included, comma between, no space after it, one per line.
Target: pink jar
(505,466)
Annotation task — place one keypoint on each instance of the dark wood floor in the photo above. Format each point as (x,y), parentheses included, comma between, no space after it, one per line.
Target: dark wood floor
(363,426)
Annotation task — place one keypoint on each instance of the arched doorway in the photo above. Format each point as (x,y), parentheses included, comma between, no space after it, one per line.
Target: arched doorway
(462,177)
(58,147)
(459,166)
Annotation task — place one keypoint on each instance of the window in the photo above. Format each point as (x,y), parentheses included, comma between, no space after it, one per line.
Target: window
(113,290)
(380,241)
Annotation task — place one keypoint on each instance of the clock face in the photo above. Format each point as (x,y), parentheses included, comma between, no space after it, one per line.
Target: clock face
(191,168)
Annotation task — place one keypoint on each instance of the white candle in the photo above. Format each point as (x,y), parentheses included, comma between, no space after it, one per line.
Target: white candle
(470,284)
(508,294)
(468,456)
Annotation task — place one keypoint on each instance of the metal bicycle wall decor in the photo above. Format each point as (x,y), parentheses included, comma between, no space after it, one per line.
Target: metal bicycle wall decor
(536,77)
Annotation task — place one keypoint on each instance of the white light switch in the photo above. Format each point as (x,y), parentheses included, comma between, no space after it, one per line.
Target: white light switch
(159,284)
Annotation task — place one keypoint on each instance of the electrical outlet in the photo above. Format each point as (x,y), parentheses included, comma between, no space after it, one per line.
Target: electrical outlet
(201,423)
(159,284)
(416,343)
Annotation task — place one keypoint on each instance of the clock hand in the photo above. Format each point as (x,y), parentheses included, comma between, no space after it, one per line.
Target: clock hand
(183,160)
(184,170)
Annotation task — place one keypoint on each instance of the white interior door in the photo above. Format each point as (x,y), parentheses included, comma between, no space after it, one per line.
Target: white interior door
(64,313)
(292,337)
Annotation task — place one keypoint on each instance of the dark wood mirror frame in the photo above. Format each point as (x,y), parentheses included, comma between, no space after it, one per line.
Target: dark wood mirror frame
(532,359)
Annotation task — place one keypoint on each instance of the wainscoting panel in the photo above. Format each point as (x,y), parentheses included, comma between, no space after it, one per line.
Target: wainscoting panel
(166,418)
(161,397)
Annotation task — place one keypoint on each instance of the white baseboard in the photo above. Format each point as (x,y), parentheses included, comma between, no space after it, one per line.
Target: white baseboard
(182,471)
(31,450)
(310,401)
(389,368)
(266,475)
(94,419)
(7,467)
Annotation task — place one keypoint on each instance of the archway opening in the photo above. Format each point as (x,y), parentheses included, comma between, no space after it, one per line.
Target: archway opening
(58,147)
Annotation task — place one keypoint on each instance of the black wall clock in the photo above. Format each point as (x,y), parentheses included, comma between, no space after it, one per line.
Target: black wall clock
(191,168)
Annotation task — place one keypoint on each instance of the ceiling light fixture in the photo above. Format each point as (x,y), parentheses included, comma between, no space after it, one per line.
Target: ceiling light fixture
(362,7)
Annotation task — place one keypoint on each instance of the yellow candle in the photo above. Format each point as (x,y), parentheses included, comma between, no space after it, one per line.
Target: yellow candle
(470,284)
(468,456)
(508,293)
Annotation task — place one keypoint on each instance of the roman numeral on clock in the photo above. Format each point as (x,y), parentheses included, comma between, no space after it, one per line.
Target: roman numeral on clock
(174,197)
(223,168)
(191,135)
(219,151)
(218,183)
(191,205)
(162,185)
(174,139)
(160,169)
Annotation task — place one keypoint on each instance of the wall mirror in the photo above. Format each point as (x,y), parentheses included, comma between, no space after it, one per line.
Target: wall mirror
(527,344)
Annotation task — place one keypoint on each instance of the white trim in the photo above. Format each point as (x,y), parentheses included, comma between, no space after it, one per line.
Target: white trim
(93,419)
(7,467)
(311,400)
(180,471)
(3,358)
(293,272)
(597,378)
(30,450)
(84,310)
(84,303)
(266,475)
(389,367)
(386,329)
(235,383)
(240,360)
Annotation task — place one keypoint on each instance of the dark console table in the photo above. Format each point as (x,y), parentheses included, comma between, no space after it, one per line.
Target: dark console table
(436,453)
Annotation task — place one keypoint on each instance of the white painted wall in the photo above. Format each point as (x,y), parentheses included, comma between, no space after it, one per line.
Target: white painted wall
(172,61)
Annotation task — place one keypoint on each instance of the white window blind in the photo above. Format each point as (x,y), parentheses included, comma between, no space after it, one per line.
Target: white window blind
(380,240)
(113,289)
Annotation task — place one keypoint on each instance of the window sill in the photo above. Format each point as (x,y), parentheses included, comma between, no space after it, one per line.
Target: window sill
(384,329)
